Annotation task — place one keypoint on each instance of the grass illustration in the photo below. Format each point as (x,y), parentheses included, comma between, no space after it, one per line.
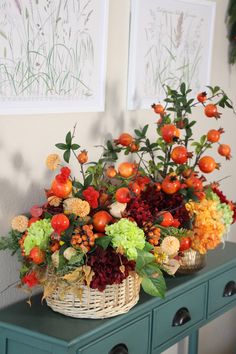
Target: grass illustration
(46,48)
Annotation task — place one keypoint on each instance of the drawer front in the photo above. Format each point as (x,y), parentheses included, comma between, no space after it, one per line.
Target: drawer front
(222,291)
(179,314)
(133,338)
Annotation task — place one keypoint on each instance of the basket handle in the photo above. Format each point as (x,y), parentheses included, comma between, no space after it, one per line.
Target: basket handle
(119,349)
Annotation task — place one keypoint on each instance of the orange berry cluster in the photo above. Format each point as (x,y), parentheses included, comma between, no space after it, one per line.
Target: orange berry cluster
(84,238)
(21,244)
(152,233)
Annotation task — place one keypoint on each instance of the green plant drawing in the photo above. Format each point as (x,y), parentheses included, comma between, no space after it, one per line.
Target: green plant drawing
(46,48)
(174,51)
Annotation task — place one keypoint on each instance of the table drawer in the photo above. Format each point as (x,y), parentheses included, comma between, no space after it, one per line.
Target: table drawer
(133,338)
(179,314)
(222,290)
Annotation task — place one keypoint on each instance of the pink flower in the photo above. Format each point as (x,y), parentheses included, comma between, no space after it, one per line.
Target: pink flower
(91,196)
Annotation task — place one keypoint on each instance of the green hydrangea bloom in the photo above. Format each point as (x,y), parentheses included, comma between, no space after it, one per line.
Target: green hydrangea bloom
(223,208)
(127,235)
(38,235)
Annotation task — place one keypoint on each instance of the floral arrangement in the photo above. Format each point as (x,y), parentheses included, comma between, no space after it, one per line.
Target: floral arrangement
(139,215)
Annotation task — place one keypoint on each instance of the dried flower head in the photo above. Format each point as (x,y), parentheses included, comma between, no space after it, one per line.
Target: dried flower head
(20,223)
(54,201)
(76,206)
(53,161)
(170,245)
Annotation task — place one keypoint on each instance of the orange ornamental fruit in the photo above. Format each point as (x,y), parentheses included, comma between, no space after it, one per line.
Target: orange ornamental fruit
(207,164)
(61,189)
(135,188)
(101,219)
(124,139)
(211,111)
(126,169)
(83,157)
(202,97)
(122,195)
(225,150)
(179,154)
(166,218)
(134,147)
(194,182)
(111,172)
(170,133)
(170,184)
(36,255)
(158,108)
(214,135)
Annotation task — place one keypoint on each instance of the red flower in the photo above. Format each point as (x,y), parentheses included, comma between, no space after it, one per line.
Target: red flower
(91,196)
(30,279)
(65,171)
(61,178)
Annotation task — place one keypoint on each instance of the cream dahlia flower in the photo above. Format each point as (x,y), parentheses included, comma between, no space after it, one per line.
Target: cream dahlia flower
(76,206)
(170,245)
(20,223)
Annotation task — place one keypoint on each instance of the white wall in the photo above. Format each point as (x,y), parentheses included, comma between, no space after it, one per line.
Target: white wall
(25,141)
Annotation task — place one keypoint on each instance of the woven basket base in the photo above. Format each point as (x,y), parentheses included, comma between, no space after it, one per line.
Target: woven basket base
(113,301)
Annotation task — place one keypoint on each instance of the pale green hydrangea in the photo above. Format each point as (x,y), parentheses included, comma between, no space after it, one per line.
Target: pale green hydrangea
(224,209)
(128,236)
(38,235)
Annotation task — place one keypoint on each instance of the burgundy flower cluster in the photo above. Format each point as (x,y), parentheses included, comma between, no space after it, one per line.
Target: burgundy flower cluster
(106,265)
(151,202)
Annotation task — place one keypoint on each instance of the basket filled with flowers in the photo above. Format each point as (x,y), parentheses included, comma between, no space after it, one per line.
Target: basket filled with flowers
(121,225)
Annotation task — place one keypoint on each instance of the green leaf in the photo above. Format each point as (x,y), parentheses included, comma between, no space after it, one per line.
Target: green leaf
(66,156)
(144,131)
(75,146)
(155,285)
(143,259)
(61,146)
(77,184)
(68,138)
(148,247)
(183,88)
(88,181)
(203,139)
(138,133)
(103,241)
(77,259)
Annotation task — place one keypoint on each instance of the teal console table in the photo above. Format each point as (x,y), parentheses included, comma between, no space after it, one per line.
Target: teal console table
(151,327)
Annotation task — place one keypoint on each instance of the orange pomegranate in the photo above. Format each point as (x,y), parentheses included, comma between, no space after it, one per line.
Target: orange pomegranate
(61,189)
(126,169)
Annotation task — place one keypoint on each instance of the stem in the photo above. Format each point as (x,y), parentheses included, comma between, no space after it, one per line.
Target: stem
(8,287)
(167,160)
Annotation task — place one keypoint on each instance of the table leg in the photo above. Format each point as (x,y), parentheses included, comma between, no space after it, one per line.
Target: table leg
(193,343)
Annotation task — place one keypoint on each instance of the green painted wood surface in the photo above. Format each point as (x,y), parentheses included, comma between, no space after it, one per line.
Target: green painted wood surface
(64,335)
(136,337)
(193,300)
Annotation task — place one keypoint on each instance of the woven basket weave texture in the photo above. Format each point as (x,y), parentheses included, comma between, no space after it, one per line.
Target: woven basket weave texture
(114,300)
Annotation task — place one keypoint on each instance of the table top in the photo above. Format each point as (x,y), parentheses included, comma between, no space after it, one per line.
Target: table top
(39,318)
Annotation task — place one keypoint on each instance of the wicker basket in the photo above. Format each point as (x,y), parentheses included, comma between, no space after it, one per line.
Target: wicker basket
(114,300)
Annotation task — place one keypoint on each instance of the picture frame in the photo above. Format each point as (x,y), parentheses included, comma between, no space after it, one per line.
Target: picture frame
(53,56)
(170,42)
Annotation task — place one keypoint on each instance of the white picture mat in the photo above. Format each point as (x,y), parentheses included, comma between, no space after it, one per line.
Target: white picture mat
(155,56)
(83,33)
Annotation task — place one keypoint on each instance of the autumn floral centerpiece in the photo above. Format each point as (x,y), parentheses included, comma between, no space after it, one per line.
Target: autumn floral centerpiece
(117,225)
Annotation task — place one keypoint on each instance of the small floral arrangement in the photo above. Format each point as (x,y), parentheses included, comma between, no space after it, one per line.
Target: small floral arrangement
(139,215)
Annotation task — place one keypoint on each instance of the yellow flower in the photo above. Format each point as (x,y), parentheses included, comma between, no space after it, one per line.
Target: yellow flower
(54,201)
(53,161)
(76,206)
(160,256)
(170,245)
(20,223)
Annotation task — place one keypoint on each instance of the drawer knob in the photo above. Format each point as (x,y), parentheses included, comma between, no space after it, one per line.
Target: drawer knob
(119,349)
(181,317)
(230,289)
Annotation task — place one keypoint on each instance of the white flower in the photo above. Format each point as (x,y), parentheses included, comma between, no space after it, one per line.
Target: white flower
(116,209)
(69,253)
(170,245)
